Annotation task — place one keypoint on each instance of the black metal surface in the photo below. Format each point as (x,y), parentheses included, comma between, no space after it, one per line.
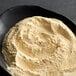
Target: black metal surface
(14,14)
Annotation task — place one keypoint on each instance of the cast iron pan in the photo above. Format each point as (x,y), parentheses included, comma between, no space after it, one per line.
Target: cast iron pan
(15,14)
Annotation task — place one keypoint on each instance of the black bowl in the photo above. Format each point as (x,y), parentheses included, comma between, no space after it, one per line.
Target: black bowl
(15,14)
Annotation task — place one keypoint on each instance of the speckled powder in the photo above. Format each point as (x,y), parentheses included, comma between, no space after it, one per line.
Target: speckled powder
(39,46)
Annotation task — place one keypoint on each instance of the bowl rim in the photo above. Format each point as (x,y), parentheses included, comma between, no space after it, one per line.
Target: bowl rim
(37,6)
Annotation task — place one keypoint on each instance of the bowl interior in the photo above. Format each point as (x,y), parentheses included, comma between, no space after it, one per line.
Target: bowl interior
(15,14)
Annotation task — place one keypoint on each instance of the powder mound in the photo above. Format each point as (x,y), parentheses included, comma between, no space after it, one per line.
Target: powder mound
(39,46)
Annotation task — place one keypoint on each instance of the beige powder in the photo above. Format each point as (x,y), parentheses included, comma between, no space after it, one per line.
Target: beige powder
(39,46)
